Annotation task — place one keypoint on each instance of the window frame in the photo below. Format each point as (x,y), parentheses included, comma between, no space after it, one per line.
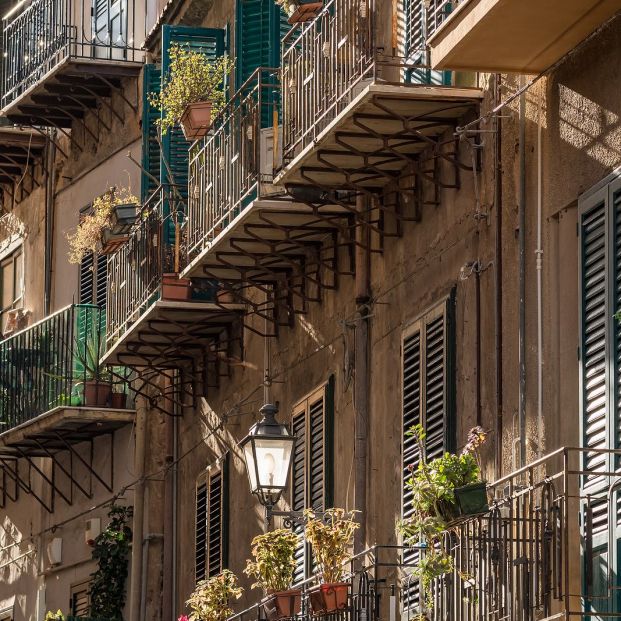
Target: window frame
(15,254)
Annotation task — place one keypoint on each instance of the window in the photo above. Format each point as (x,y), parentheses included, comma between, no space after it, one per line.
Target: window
(600,381)
(311,476)
(11,284)
(6,614)
(428,383)
(80,601)
(211,520)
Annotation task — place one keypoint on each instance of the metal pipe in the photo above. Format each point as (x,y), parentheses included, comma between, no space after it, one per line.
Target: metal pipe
(138,522)
(175,474)
(477,310)
(362,375)
(167,590)
(49,220)
(498,274)
(539,264)
(522,277)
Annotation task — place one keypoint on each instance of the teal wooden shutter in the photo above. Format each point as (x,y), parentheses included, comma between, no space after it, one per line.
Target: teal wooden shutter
(151,83)
(428,386)
(200,536)
(600,389)
(175,148)
(417,24)
(260,26)
(298,488)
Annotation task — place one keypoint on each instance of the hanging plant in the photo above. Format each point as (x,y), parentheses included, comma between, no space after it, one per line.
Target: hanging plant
(111,551)
(210,600)
(192,78)
(87,236)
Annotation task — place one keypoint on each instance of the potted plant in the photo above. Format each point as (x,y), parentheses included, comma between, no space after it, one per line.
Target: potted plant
(193,92)
(442,489)
(106,226)
(118,400)
(331,540)
(273,567)
(210,600)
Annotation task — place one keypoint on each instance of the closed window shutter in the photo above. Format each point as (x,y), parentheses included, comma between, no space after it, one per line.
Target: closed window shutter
(152,78)
(80,600)
(312,462)
(93,280)
(261,25)
(211,521)
(87,280)
(200,546)
(428,384)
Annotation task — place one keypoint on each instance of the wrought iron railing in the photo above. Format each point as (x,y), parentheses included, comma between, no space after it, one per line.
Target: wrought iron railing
(235,163)
(46,365)
(39,36)
(156,246)
(327,62)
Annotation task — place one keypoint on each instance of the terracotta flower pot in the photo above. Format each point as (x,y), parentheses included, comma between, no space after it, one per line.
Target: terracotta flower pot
(119,400)
(305,12)
(331,597)
(225,297)
(97,393)
(283,604)
(111,241)
(196,120)
(175,288)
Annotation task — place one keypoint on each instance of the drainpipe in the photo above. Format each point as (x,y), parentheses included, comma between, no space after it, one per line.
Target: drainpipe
(477,303)
(175,475)
(169,517)
(138,522)
(539,263)
(361,378)
(522,278)
(498,274)
(49,221)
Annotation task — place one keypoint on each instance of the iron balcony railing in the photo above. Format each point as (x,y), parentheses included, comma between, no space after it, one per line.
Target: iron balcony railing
(235,163)
(46,365)
(156,246)
(40,35)
(328,61)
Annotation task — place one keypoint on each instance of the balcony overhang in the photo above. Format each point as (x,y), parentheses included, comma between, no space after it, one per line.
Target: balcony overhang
(525,36)
(173,334)
(19,150)
(382,131)
(269,238)
(69,91)
(59,429)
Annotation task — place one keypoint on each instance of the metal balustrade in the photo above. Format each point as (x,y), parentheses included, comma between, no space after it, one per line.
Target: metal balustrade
(328,61)
(135,270)
(45,366)
(41,35)
(234,164)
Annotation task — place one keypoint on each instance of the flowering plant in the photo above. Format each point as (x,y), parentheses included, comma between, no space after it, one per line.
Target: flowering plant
(274,560)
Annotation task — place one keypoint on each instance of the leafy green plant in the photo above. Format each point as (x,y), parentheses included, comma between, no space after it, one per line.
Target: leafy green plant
(432,487)
(192,78)
(87,236)
(111,551)
(331,540)
(54,616)
(274,560)
(210,600)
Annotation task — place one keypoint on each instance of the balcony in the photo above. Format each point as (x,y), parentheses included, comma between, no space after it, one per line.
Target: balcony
(20,150)
(61,61)
(546,549)
(241,227)
(356,115)
(156,320)
(525,36)
(48,405)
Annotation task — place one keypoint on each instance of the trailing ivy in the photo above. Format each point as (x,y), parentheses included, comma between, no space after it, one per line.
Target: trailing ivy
(111,551)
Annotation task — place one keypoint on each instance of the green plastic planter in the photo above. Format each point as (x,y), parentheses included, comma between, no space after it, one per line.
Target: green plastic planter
(472,499)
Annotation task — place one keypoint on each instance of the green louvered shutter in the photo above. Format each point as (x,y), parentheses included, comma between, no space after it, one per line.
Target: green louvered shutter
(298,487)
(600,388)
(175,148)
(260,26)
(152,78)
(419,20)
(428,385)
